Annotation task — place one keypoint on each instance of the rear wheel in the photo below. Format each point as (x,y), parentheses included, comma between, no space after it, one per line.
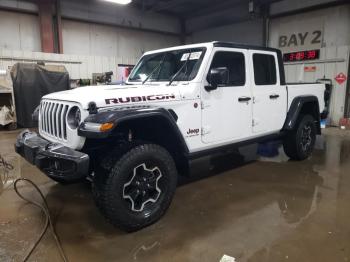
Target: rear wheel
(138,189)
(299,143)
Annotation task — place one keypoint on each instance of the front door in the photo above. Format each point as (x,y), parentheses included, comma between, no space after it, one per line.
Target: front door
(227,111)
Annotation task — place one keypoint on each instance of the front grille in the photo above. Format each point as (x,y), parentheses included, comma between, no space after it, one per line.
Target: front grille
(53,119)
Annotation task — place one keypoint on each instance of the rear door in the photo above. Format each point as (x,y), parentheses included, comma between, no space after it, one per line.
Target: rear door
(269,97)
(227,111)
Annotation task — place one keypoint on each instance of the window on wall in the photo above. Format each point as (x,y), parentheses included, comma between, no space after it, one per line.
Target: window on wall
(264,69)
(234,61)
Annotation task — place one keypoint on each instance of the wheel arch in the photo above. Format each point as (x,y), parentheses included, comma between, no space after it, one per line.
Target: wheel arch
(159,129)
(302,105)
(149,124)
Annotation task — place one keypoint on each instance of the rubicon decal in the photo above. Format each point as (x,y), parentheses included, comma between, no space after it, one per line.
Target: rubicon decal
(136,99)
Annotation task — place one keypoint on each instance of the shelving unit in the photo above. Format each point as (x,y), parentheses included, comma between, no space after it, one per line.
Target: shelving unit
(7,98)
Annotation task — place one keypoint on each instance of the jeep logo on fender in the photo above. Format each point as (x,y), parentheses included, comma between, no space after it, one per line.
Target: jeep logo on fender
(136,99)
(193,132)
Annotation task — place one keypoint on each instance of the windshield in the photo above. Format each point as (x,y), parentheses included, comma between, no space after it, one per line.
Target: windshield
(183,64)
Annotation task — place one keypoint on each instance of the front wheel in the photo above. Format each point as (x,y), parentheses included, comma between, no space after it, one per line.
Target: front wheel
(299,143)
(139,188)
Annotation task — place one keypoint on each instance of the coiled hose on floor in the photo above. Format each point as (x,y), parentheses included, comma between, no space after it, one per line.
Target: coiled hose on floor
(4,176)
(48,221)
(44,207)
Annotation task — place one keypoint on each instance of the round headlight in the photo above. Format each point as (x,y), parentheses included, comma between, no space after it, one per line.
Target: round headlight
(74,117)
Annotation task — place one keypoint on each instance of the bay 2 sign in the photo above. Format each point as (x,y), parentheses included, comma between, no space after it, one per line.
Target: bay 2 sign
(302,40)
(299,34)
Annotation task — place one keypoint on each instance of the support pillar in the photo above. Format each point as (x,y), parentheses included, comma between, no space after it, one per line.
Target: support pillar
(46,26)
(59,27)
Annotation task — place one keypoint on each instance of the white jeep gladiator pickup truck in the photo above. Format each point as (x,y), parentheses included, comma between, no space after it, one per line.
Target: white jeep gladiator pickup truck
(178,104)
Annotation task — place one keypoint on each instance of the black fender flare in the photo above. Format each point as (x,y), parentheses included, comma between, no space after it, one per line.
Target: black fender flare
(295,109)
(122,115)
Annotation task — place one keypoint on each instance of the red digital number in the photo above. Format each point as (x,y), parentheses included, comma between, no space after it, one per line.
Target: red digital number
(301,56)
(291,57)
(311,54)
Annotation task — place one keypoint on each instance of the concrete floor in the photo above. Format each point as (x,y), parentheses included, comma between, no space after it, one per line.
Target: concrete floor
(248,207)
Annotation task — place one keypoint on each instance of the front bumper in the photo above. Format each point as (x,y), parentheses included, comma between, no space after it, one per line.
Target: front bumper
(56,161)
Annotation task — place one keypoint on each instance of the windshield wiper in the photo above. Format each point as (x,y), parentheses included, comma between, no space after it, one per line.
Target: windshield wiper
(154,70)
(180,70)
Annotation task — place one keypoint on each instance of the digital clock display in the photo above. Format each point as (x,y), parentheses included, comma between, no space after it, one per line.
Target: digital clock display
(301,56)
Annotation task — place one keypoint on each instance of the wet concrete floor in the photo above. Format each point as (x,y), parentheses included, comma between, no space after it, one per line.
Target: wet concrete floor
(248,206)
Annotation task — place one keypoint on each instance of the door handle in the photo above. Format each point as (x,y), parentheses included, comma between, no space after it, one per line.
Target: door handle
(274,96)
(244,99)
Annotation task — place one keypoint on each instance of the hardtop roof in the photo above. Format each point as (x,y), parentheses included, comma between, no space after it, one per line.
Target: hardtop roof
(217,44)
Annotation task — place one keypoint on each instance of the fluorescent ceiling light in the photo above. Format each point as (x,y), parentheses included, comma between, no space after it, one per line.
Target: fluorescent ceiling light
(120,2)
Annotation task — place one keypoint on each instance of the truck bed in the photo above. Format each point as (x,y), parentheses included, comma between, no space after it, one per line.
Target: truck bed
(307,89)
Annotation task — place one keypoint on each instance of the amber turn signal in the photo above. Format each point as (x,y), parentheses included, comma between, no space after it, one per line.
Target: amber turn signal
(106,127)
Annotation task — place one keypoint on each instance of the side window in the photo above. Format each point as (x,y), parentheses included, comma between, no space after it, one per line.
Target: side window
(234,61)
(264,69)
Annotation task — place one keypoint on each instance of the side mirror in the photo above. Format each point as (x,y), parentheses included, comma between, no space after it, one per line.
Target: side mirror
(217,77)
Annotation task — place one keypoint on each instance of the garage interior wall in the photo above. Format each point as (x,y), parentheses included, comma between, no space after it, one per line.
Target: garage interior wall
(100,37)
(226,21)
(232,33)
(102,12)
(102,40)
(334,20)
(334,48)
(19,31)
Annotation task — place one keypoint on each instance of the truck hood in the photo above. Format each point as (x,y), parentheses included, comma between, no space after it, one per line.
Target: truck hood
(112,95)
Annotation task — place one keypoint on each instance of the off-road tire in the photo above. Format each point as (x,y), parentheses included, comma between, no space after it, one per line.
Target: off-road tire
(103,166)
(109,188)
(294,143)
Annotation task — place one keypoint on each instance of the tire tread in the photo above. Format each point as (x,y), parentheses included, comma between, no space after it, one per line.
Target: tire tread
(104,189)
